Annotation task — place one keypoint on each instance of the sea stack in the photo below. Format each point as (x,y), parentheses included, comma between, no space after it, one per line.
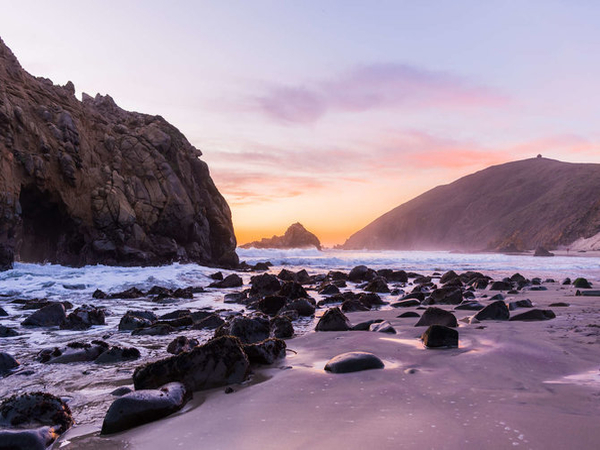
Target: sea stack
(86,182)
(296,236)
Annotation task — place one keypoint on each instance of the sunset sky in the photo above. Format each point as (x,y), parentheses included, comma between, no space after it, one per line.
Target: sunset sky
(331,113)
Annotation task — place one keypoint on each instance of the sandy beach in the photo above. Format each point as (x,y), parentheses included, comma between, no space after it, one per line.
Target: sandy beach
(531,385)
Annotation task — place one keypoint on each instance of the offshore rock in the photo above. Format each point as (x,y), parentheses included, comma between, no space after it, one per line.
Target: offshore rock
(86,182)
(296,236)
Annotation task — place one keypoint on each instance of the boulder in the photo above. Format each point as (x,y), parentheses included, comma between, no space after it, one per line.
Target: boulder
(271,304)
(265,284)
(49,316)
(448,276)
(371,299)
(408,314)
(353,305)
(582,283)
(230,281)
(130,293)
(353,362)
(525,303)
(437,316)
(282,327)
(439,336)
(118,354)
(500,286)
(494,311)
(293,290)
(219,362)
(143,406)
(7,363)
(182,344)
(157,329)
(470,305)
(36,409)
(303,306)
(132,320)
(361,273)
(333,320)
(7,332)
(211,322)
(534,314)
(73,352)
(3,312)
(382,327)
(444,296)
(33,439)
(377,284)
(83,318)
(406,303)
(247,329)
(265,352)
(329,289)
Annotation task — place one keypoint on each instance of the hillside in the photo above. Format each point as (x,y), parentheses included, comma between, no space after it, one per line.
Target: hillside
(520,204)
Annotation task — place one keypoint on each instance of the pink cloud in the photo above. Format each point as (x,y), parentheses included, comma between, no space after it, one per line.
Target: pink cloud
(371,87)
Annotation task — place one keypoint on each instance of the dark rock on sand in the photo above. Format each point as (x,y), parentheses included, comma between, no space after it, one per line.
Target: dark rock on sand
(265,352)
(353,362)
(500,286)
(120,391)
(230,281)
(444,296)
(181,344)
(217,276)
(353,305)
(271,304)
(535,314)
(144,406)
(158,329)
(73,352)
(566,281)
(365,326)
(559,305)
(329,289)
(7,332)
(470,306)
(132,320)
(219,362)
(249,330)
(414,295)
(7,363)
(371,299)
(83,318)
(293,290)
(236,297)
(406,303)
(494,311)
(440,336)
(333,320)
(265,284)
(118,354)
(303,306)
(210,322)
(377,284)
(33,439)
(437,316)
(525,303)
(34,410)
(382,327)
(49,316)
(282,327)
(361,273)
(582,283)
(408,314)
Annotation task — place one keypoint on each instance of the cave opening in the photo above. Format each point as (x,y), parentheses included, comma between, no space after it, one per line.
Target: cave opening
(48,233)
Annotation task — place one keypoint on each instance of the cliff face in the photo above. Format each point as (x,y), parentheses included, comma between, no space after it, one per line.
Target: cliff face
(87,182)
(518,205)
(296,236)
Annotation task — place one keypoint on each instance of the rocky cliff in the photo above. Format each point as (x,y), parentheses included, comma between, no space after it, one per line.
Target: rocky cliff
(519,206)
(85,182)
(296,236)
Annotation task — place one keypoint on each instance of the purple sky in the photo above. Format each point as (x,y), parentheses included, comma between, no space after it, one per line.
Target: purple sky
(332,113)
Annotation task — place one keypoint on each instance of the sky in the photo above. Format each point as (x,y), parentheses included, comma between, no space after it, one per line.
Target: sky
(331,113)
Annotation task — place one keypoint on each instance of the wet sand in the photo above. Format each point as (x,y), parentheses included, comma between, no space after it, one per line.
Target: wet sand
(533,385)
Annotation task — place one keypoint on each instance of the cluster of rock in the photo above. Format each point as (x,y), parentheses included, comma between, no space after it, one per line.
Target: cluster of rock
(296,236)
(86,182)
(239,341)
